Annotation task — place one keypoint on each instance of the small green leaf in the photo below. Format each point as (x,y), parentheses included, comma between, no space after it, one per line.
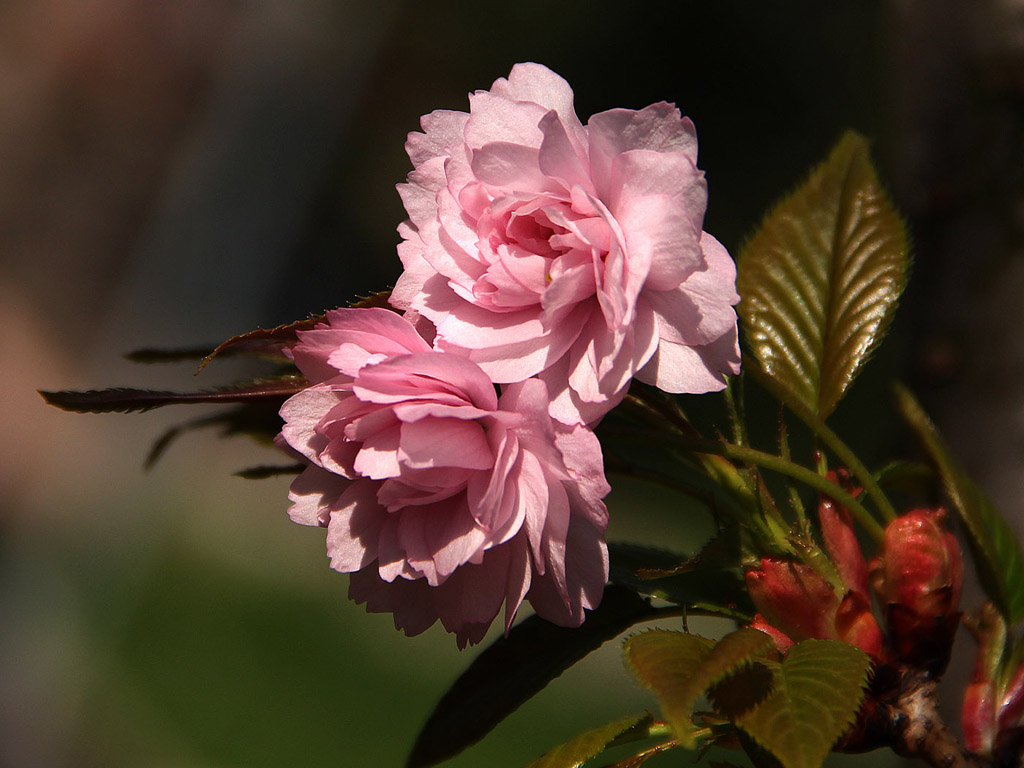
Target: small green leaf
(817,692)
(998,555)
(515,668)
(586,746)
(679,668)
(821,278)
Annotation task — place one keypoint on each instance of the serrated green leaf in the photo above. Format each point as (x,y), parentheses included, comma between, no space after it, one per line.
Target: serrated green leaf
(679,668)
(516,667)
(998,555)
(821,278)
(588,745)
(817,692)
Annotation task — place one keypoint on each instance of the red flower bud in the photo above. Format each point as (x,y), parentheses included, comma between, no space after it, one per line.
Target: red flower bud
(839,537)
(782,641)
(794,601)
(918,576)
(977,717)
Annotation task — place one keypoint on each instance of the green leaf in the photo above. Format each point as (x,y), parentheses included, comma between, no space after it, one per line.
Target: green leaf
(515,668)
(821,278)
(590,744)
(998,555)
(817,692)
(679,668)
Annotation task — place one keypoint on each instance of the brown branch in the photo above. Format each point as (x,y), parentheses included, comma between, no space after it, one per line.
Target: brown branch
(919,730)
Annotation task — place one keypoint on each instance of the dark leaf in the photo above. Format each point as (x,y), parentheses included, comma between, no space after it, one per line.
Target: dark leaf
(258,420)
(998,555)
(514,669)
(268,340)
(127,400)
(264,471)
(711,588)
(821,278)
(150,355)
(272,340)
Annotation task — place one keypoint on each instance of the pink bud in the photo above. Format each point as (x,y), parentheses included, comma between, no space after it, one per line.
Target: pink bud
(918,576)
(839,537)
(793,598)
(796,603)
(856,624)
(783,642)
(977,717)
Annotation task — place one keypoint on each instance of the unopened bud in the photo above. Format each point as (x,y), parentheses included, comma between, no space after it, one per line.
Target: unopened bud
(798,604)
(918,576)
(839,537)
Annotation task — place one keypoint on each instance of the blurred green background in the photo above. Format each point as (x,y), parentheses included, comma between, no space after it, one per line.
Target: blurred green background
(173,172)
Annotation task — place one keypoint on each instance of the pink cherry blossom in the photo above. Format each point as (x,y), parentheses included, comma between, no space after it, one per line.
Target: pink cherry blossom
(542,247)
(443,499)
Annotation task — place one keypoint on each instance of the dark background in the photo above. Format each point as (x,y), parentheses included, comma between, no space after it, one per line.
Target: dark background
(173,173)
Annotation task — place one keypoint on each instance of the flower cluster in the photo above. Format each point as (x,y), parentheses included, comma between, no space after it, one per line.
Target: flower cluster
(541,247)
(547,263)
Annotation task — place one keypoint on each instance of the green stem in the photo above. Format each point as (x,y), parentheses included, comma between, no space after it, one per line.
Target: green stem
(790,469)
(834,443)
(734,401)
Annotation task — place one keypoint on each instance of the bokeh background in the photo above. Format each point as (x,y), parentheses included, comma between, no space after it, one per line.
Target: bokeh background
(174,172)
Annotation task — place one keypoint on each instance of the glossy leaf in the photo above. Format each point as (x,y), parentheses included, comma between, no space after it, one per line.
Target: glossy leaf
(515,668)
(817,692)
(821,278)
(127,400)
(679,668)
(588,745)
(998,555)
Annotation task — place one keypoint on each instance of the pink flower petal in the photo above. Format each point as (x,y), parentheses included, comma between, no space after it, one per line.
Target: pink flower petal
(432,442)
(354,529)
